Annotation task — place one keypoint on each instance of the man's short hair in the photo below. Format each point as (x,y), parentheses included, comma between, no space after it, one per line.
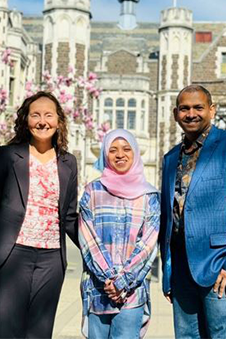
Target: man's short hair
(195,88)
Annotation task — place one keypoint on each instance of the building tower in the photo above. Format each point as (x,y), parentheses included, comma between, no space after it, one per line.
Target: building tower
(176,35)
(66,36)
(127,19)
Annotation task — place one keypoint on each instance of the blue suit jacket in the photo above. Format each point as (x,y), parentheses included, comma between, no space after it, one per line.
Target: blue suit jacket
(204,211)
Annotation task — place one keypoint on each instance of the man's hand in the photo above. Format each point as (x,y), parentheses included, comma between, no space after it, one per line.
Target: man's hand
(112,292)
(220,284)
(168,297)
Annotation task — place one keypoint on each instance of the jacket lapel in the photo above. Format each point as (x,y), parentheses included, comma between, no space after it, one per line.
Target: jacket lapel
(171,172)
(21,170)
(64,177)
(204,157)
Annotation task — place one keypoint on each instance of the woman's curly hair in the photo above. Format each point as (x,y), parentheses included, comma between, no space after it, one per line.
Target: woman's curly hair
(22,133)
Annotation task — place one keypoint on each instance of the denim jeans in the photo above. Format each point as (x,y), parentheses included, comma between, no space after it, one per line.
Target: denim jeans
(198,312)
(123,325)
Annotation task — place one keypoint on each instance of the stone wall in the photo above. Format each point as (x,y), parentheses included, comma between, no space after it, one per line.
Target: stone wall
(173,124)
(48,57)
(186,69)
(122,63)
(204,73)
(153,67)
(80,68)
(163,73)
(174,74)
(78,156)
(206,68)
(162,132)
(39,68)
(63,51)
(80,59)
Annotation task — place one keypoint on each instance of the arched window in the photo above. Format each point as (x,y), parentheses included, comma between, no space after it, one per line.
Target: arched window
(142,120)
(119,119)
(131,120)
(108,116)
(108,102)
(120,102)
(132,103)
(108,111)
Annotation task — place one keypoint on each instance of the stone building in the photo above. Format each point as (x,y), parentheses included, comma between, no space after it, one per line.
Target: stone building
(141,67)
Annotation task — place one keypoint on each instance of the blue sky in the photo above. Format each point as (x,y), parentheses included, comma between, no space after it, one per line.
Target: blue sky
(147,10)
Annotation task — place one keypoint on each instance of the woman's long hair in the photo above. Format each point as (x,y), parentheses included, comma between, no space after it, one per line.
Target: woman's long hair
(22,133)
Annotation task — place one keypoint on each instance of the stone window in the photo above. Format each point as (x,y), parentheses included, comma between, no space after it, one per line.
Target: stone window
(131,120)
(220,117)
(122,113)
(120,102)
(143,109)
(77,138)
(119,119)
(108,116)
(108,112)
(220,62)
(12,84)
(223,64)
(132,103)
(108,102)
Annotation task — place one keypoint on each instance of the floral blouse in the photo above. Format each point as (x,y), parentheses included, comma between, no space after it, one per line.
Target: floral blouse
(40,228)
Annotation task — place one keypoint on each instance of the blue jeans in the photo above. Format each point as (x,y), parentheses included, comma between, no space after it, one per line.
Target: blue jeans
(198,312)
(123,325)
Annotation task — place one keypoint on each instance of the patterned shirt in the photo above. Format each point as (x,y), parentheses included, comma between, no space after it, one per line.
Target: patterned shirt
(185,169)
(40,228)
(118,241)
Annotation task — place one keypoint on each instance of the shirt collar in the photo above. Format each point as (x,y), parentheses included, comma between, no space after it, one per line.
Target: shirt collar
(195,145)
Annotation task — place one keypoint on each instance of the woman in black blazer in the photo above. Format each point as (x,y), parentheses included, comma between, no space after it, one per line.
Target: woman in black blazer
(38,201)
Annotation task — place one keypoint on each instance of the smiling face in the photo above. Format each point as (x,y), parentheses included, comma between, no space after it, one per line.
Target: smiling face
(194,113)
(120,156)
(42,120)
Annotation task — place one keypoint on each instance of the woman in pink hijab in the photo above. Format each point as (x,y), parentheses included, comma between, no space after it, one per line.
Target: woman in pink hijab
(118,230)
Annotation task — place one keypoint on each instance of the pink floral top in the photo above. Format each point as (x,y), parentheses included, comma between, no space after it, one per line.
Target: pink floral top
(41,223)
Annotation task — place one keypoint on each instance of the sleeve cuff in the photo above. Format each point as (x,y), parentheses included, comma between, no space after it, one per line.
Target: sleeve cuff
(124,281)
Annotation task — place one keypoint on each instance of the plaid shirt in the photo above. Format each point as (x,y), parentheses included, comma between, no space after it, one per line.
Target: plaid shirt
(118,241)
(185,169)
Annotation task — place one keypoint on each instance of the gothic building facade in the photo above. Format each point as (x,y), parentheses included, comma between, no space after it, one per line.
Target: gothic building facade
(141,67)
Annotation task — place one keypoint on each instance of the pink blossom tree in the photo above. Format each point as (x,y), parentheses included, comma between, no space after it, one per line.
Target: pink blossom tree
(64,88)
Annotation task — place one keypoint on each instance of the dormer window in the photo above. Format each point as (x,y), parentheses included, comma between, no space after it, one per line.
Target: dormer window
(204,37)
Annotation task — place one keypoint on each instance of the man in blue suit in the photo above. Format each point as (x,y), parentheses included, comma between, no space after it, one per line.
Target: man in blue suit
(193,224)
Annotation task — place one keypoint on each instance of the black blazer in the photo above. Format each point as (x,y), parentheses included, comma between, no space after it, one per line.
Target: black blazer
(14,187)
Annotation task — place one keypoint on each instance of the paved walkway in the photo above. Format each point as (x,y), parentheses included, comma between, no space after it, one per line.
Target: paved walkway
(68,318)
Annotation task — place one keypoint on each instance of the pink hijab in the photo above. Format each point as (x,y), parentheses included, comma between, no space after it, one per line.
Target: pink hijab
(131,184)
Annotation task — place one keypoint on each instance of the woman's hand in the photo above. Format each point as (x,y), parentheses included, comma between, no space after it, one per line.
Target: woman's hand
(112,292)
(220,284)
